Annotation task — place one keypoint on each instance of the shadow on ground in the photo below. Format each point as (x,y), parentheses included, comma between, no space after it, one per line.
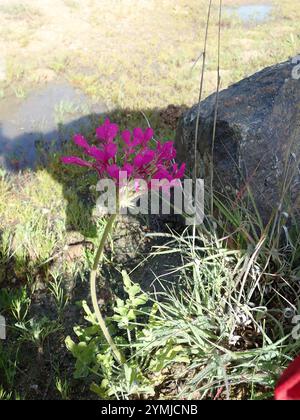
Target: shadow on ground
(24,148)
(24,151)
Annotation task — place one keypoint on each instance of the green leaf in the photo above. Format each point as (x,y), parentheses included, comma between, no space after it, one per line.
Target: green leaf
(129,374)
(103,390)
(169,354)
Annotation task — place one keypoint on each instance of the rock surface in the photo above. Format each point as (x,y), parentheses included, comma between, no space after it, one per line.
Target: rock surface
(257,144)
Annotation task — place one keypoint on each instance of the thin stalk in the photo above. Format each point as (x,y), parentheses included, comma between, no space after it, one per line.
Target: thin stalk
(216,112)
(201,88)
(198,111)
(98,258)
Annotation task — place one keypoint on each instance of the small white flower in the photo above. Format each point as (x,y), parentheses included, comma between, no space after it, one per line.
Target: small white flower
(288,313)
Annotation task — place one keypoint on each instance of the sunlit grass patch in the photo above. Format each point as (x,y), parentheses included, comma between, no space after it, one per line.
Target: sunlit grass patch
(14,71)
(34,216)
(152,69)
(72,4)
(59,63)
(20,10)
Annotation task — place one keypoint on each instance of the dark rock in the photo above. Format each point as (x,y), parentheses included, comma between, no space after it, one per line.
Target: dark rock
(257,144)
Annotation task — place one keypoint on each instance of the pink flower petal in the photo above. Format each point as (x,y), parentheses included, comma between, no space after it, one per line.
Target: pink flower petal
(149,133)
(138,161)
(148,156)
(107,132)
(162,173)
(179,173)
(126,136)
(97,153)
(138,133)
(167,151)
(81,141)
(73,160)
(127,167)
(113,171)
(111,150)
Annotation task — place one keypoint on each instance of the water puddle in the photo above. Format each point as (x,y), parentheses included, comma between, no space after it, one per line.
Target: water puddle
(47,115)
(257,13)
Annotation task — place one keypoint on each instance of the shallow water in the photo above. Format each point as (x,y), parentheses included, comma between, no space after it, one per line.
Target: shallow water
(249,13)
(43,116)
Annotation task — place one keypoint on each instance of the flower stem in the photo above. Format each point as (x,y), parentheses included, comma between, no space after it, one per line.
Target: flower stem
(98,258)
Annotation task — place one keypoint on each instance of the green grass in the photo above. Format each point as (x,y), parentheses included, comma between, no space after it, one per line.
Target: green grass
(226,317)
(19,10)
(229,311)
(221,331)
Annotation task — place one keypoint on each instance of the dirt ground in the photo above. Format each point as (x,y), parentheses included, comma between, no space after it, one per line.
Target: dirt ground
(135,53)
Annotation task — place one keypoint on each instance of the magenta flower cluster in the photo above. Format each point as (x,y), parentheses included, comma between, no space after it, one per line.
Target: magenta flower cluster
(133,155)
